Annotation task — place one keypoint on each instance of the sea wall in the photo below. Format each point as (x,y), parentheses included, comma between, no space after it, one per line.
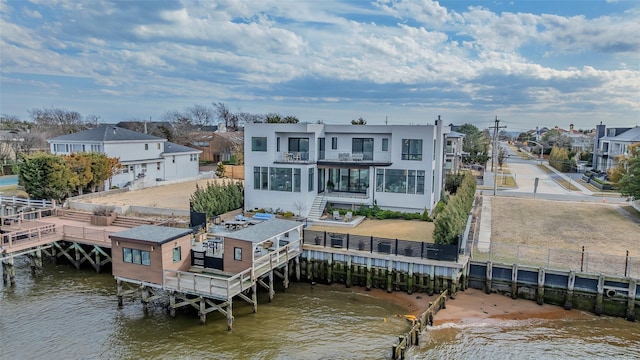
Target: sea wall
(597,293)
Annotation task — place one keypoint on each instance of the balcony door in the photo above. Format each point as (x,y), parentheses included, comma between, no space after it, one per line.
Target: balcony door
(362,146)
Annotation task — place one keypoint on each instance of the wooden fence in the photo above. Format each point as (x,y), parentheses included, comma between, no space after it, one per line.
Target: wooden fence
(412,338)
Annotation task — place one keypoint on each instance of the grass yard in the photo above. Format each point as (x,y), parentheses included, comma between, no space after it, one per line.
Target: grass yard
(392,229)
(600,228)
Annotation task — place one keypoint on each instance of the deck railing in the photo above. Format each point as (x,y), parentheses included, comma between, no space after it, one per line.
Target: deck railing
(16,201)
(26,236)
(225,287)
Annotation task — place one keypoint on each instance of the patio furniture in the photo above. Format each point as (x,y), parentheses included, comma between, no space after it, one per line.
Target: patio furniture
(336,215)
(348,216)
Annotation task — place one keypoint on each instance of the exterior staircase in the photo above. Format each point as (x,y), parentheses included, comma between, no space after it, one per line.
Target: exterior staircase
(130,222)
(75,215)
(317,208)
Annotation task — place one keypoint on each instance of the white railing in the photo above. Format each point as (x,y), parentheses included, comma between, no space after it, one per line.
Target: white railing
(224,287)
(16,201)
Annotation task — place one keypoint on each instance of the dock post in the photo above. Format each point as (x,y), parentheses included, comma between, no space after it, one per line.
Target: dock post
(568,304)
(119,282)
(9,271)
(271,290)
(97,265)
(631,304)
(410,280)
(285,282)
(600,296)
(77,256)
(390,276)
(329,268)
(296,260)
(540,292)
(202,313)
(254,297)
(514,281)
(309,269)
(230,315)
(145,298)
(369,280)
(453,289)
(172,304)
(348,279)
(487,286)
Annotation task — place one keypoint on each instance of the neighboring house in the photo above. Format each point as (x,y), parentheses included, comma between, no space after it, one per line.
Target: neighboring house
(615,143)
(141,254)
(301,167)
(218,147)
(453,152)
(146,159)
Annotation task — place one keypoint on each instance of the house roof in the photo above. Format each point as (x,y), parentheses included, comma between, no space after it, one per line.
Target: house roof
(632,135)
(455,134)
(106,133)
(173,148)
(265,230)
(153,233)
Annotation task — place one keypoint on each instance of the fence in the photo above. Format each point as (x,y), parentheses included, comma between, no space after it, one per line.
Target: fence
(378,245)
(561,259)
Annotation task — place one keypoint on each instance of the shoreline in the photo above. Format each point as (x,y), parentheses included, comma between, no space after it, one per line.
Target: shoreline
(473,306)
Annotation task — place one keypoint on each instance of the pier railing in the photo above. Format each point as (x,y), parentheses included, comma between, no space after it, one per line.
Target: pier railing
(418,324)
(28,236)
(561,259)
(225,287)
(373,244)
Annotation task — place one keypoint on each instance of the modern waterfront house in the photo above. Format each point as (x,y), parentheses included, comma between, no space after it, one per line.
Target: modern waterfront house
(302,167)
(146,159)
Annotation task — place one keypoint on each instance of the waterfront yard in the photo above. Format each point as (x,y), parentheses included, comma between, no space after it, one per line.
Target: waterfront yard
(600,228)
(392,229)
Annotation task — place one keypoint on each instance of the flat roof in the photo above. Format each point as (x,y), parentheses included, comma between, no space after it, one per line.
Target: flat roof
(264,231)
(153,233)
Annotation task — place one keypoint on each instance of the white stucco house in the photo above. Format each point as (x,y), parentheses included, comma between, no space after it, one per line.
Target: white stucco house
(302,167)
(146,159)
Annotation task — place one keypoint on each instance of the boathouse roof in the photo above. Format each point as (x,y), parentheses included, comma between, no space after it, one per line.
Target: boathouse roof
(153,233)
(265,230)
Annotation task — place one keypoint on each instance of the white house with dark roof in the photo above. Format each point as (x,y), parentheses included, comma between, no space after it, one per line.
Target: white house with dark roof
(146,159)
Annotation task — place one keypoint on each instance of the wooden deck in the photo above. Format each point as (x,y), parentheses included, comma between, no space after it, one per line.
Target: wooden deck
(23,233)
(226,287)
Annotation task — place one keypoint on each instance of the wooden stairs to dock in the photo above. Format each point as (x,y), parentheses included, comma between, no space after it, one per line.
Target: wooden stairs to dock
(122,221)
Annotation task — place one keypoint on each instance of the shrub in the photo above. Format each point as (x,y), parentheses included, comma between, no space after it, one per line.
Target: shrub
(288,214)
(452,219)
(103,210)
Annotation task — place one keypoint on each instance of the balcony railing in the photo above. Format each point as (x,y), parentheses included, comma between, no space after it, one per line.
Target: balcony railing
(357,157)
(295,157)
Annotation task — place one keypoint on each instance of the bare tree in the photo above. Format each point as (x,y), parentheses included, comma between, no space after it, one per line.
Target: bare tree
(200,115)
(224,114)
(55,121)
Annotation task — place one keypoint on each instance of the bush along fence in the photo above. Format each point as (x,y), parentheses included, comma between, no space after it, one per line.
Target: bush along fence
(450,223)
(418,324)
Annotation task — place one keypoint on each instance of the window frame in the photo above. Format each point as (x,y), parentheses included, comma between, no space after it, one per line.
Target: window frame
(256,143)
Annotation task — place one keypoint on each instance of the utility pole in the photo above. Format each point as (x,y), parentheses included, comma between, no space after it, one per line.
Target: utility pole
(494,152)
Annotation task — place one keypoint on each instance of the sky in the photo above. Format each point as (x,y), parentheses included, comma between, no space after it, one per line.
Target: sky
(527,63)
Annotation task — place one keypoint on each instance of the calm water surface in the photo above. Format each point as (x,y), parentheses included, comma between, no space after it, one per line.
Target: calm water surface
(71,314)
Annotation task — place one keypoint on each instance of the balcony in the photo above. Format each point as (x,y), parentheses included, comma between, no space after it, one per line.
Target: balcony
(335,157)
(295,157)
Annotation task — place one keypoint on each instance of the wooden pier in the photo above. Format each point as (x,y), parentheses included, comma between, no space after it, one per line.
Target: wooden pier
(209,291)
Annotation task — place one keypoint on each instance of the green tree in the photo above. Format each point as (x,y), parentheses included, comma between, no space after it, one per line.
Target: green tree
(220,169)
(102,169)
(360,121)
(45,176)
(627,173)
(559,159)
(79,166)
(451,221)
(216,198)
(475,143)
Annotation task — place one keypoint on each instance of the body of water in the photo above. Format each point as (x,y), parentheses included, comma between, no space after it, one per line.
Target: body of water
(8,180)
(73,314)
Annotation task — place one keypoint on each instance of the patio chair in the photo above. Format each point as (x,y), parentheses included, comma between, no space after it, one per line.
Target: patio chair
(348,216)
(336,215)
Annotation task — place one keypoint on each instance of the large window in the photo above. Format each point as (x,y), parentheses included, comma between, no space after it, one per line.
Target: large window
(310,185)
(296,179)
(362,146)
(77,148)
(258,144)
(411,149)
(135,256)
(60,148)
(96,148)
(280,179)
(350,180)
(400,181)
(300,145)
(260,178)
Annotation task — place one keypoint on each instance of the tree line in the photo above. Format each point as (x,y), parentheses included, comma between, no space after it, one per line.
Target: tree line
(452,212)
(48,176)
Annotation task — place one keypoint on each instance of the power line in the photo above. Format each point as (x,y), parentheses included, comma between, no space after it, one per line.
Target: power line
(494,151)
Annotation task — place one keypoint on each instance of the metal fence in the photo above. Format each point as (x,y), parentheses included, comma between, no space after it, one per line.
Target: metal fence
(560,259)
(373,244)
